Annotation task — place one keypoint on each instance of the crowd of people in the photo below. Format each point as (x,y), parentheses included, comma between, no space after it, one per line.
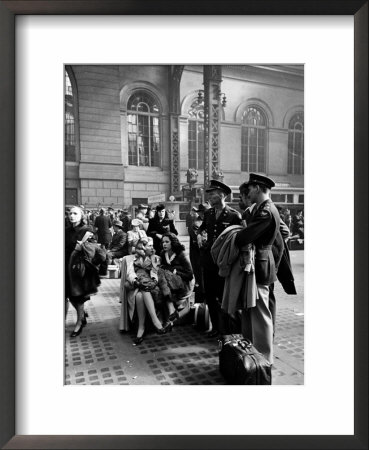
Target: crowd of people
(234,261)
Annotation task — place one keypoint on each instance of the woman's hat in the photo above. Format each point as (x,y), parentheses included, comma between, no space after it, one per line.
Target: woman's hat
(136,222)
(142,206)
(118,223)
(160,207)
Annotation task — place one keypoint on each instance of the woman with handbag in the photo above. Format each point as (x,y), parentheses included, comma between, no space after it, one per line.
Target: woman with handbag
(175,275)
(82,255)
(139,287)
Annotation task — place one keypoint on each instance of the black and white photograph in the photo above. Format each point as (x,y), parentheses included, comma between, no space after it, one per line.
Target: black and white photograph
(184,224)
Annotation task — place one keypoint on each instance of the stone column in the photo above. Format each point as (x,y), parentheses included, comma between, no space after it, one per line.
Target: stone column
(212,83)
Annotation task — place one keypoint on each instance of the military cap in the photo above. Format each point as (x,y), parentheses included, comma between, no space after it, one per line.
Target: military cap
(215,184)
(255,178)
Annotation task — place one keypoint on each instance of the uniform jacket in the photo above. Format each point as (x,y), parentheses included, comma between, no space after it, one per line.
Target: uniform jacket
(281,256)
(215,227)
(103,225)
(262,231)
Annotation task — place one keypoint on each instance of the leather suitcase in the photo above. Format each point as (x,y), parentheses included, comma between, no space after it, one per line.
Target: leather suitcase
(241,363)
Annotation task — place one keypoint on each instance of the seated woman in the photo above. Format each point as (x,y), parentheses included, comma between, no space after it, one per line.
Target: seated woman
(134,235)
(175,275)
(138,286)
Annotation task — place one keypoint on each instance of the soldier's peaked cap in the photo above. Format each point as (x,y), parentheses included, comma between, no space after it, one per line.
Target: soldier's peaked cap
(215,184)
(255,178)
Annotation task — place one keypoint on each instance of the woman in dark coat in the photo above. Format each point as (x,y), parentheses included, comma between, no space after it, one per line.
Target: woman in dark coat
(78,287)
(159,225)
(176,279)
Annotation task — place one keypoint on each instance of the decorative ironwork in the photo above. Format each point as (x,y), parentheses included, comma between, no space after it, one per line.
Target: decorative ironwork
(213,98)
(175,164)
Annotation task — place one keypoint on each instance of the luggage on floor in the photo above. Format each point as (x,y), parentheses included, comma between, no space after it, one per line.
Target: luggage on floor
(241,363)
(201,318)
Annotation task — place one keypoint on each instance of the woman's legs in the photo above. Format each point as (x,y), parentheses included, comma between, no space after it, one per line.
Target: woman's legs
(79,307)
(149,303)
(141,313)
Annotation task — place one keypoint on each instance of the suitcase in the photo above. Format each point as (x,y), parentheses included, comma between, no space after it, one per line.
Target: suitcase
(241,363)
(201,318)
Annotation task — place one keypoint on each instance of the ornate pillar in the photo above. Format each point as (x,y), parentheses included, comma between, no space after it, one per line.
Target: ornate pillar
(175,74)
(212,82)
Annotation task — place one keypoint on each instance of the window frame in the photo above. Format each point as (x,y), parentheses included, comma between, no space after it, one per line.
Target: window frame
(245,165)
(197,121)
(291,154)
(150,115)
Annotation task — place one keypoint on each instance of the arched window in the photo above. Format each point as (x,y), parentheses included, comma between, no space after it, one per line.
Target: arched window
(296,144)
(69,121)
(253,140)
(143,130)
(196,136)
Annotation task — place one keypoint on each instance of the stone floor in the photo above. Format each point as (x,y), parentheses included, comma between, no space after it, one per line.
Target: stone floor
(103,355)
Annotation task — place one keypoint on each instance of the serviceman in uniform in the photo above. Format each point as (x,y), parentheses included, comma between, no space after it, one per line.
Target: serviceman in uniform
(262,229)
(216,220)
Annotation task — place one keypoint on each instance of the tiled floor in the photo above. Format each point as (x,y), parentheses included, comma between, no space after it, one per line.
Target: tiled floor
(103,355)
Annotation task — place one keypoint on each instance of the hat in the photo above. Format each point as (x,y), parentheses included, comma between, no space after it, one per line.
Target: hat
(202,207)
(142,206)
(160,207)
(118,223)
(215,184)
(136,222)
(255,178)
(125,211)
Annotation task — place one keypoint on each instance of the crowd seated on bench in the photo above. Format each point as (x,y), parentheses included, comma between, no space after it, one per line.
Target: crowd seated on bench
(158,287)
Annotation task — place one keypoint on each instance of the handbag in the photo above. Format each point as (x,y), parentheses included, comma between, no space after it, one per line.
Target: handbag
(79,267)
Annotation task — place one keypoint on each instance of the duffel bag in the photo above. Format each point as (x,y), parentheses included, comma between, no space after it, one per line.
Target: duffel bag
(241,363)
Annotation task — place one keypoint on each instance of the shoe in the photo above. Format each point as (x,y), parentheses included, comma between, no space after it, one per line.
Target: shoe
(138,340)
(173,316)
(161,330)
(78,332)
(213,333)
(168,327)
(84,321)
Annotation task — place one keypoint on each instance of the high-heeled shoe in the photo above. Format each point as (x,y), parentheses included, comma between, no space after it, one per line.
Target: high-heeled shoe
(161,330)
(138,340)
(77,333)
(168,327)
(174,316)
(84,318)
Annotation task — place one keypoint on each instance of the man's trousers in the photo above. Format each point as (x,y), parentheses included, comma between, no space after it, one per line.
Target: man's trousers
(257,324)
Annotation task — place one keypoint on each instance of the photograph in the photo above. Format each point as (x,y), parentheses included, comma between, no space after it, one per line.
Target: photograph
(184,224)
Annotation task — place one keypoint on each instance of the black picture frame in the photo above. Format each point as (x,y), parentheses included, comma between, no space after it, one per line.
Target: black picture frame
(8,10)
